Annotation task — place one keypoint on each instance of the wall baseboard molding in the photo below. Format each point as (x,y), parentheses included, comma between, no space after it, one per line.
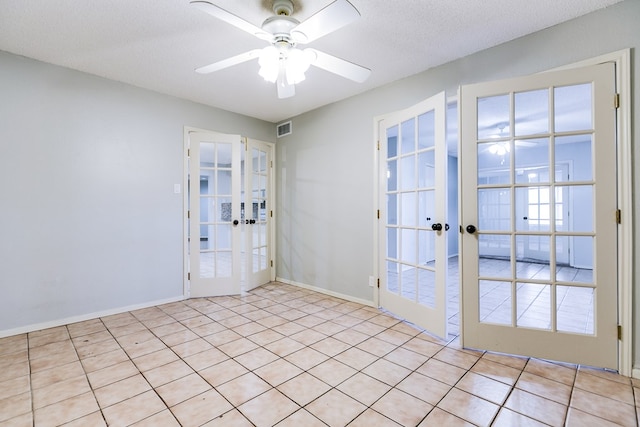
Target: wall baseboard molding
(83,317)
(635,373)
(326,292)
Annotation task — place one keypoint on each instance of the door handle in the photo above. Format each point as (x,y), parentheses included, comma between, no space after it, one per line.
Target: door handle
(235,222)
(446,227)
(471,229)
(252,221)
(436,227)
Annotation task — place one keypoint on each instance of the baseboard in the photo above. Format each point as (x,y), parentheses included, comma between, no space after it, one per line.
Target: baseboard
(83,317)
(326,292)
(635,373)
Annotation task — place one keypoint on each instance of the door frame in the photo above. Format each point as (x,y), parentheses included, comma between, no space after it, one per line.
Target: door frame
(622,61)
(186,286)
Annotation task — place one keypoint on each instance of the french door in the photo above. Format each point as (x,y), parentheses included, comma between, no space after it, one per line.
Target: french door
(538,194)
(229,213)
(412,252)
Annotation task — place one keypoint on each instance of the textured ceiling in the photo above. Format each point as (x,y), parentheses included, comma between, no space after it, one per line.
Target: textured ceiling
(156,44)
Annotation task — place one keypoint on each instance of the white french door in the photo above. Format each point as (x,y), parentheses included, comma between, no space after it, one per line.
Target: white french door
(413,199)
(538,194)
(229,214)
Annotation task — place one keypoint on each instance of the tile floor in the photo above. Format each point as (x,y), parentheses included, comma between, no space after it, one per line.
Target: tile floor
(285,356)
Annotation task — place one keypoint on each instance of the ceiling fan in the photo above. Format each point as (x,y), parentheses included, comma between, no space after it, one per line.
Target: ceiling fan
(282,62)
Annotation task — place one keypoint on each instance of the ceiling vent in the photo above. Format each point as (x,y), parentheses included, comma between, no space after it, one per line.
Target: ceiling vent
(284,129)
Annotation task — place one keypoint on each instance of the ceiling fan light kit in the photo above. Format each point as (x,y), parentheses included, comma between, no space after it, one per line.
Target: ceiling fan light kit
(282,62)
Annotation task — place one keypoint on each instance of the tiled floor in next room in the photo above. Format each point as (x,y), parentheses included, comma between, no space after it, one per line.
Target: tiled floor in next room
(284,356)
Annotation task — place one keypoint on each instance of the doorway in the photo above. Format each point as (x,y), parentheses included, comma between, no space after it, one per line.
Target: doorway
(229,218)
(531,265)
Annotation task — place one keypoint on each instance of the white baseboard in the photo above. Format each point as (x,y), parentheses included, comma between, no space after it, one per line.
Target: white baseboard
(326,292)
(83,317)
(635,373)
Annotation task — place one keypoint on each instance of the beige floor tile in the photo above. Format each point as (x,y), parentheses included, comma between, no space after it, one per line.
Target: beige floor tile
(356,358)
(330,346)
(351,336)
(438,417)
(484,387)
(60,391)
(182,389)
(377,346)
(304,388)
(329,328)
(51,349)
(132,328)
(546,388)
(50,376)
(407,358)
(468,407)
(167,329)
(301,418)
(393,337)
(387,372)
(208,329)
(277,372)
(550,370)
(249,329)
(605,387)
(66,411)
(577,418)
(243,388)
(257,358)
(14,370)
(268,409)
(457,358)
(98,348)
(85,328)
(223,372)
(180,337)
(154,360)
(424,347)
(372,418)
(265,337)
(496,371)
(332,372)
(237,347)
(167,373)
(52,361)
(205,359)
(100,361)
(19,356)
(86,339)
(603,407)
(15,386)
(508,418)
(284,347)
(14,406)
(192,347)
(232,418)
(516,362)
(24,420)
(536,407)
(336,408)
(308,337)
(111,374)
(134,409)
(121,390)
(289,328)
(138,349)
(94,419)
(164,419)
(424,388)
(222,337)
(368,328)
(402,407)
(306,358)
(48,336)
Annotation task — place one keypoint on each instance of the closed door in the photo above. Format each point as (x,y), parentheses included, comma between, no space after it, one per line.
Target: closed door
(228,228)
(538,182)
(413,224)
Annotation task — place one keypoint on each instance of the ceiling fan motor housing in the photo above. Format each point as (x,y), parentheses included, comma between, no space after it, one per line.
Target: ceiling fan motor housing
(283,7)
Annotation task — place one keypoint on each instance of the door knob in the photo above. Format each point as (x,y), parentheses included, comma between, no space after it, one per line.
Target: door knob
(235,222)
(252,221)
(471,229)
(436,227)
(446,227)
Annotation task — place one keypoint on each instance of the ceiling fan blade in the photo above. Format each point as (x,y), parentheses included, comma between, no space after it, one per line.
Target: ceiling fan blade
(230,18)
(285,89)
(225,63)
(339,66)
(331,18)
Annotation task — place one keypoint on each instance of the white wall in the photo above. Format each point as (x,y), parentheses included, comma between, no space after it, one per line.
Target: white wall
(326,167)
(88,218)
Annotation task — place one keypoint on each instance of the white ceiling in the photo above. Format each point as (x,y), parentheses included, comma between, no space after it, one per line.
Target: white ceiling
(156,44)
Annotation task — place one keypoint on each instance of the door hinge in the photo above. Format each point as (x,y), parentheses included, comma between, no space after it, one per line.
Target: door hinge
(378,145)
(188,152)
(271,163)
(188,276)
(378,213)
(618,216)
(616,100)
(188,214)
(271,214)
(620,332)
(378,283)
(271,262)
